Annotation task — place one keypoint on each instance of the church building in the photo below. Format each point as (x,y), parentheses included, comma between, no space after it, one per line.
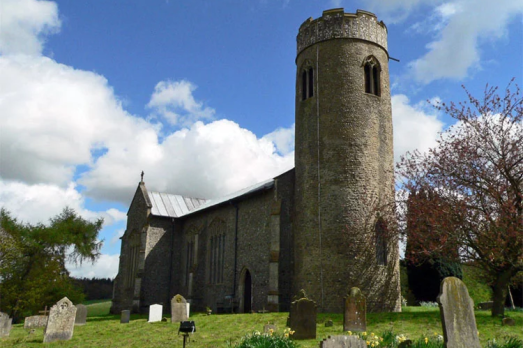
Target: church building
(324,226)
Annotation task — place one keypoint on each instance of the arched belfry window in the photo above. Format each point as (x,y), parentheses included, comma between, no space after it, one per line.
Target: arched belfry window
(372,70)
(307,81)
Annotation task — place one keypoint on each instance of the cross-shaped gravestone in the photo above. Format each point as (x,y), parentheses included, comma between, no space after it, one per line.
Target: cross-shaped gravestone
(354,315)
(457,315)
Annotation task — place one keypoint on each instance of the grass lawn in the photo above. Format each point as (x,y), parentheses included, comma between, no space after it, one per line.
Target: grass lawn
(105,330)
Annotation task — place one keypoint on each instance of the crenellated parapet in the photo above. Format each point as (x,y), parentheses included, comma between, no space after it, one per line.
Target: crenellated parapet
(336,24)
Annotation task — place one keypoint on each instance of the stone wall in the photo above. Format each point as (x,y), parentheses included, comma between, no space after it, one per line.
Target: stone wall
(123,295)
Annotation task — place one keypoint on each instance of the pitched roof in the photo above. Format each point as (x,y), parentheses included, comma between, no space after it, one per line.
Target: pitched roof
(169,205)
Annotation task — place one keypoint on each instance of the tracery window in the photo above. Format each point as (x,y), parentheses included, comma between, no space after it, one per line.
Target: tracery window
(372,72)
(133,258)
(217,251)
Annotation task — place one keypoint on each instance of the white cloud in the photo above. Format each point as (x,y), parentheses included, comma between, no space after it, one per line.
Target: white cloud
(40,202)
(283,139)
(205,160)
(460,27)
(174,101)
(24,23)
(414,127)
(105,267)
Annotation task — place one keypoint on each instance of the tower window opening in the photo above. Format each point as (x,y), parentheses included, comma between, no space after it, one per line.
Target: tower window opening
(307,83)
(381,242)
(311,82)
(304,85)
(372,70)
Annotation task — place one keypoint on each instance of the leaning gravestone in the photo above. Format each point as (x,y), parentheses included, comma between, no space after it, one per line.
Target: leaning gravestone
(178,309)
(60,324)
(303,318)
(457,315)
(343,342)
(81,315)
(125,317)
(354,315)
(155,313)
(5,324)
(35,322)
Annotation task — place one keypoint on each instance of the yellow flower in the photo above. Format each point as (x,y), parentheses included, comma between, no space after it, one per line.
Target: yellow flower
(349,332)
(372,345)
(292,332)
(364,333)
(286,335)
(381,339)
(368,342)
(426,340)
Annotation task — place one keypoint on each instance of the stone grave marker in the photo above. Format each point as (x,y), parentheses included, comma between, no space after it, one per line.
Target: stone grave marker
(303,319)
(179,310)
(155,313)
(60,324)
(354,314)
(5,324)
(343,342)
(485,305)
(81,315)
(125,317)
(268,327)
(508,322)
(329,323)
(35,322)
(457,315)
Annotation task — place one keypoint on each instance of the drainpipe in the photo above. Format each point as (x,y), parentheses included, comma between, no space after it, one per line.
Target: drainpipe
(171,264)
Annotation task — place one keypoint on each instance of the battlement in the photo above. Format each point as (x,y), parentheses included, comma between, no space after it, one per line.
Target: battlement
(336,24)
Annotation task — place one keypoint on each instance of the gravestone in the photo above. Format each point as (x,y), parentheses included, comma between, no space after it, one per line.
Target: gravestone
(343,342)
(155,313)
(508,322)
(329,323)
(5,324)
(354,315)
(303,319)
(457,315)
(125,317)
(179,310)
(81,315)
(60,324)
(268,327)
(485,305)
(35,322)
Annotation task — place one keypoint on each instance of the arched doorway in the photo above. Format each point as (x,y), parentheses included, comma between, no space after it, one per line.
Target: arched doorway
(247,292)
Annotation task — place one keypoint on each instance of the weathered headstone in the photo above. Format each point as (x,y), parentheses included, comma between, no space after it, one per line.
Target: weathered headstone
(125,317)
(303,319)
(179,309)
(354,315)
(35,322)
(457,315)
(155,313)
(5,324)
(343,342)
(329,323)
(268,327)
(81,315)
(60,324)
(508,322)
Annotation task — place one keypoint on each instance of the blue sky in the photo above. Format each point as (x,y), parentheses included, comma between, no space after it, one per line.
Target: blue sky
(200,94)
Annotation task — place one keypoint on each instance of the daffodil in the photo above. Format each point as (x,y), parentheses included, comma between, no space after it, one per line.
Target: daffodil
(426,340)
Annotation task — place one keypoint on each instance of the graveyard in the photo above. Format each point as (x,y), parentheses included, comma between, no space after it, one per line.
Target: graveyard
(217,330)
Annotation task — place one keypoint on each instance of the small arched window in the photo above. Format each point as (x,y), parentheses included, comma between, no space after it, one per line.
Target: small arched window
(307,82)
(381,242)
(371,70)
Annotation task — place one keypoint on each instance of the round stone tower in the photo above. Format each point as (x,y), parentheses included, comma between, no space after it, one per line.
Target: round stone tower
(344,163)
